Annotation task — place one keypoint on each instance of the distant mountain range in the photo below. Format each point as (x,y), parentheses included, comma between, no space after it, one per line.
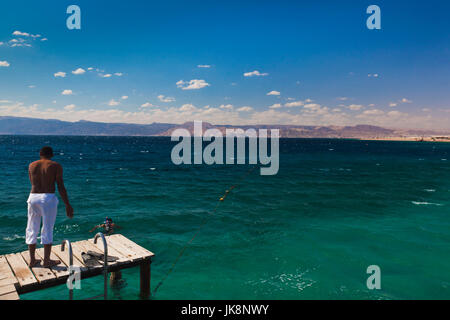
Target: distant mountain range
(32,126)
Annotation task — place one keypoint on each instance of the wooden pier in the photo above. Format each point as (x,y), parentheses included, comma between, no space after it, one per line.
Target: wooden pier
(16,277)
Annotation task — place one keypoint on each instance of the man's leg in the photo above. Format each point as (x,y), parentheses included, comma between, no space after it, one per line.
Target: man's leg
(33,224)
(48,222)
(47,261)
(33,260)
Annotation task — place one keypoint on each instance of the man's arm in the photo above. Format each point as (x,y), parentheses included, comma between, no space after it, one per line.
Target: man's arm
(96,227)
(62,190)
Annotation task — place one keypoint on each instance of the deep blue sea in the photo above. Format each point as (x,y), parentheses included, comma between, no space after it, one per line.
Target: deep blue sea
(309,232)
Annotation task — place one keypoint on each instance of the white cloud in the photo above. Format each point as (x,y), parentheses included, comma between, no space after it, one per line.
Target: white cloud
(194,84)
(373,112)
(188,107)
(355,107)
(374,75)
(342,98)
(163,98)
(113,103)
(79,71)
(275,106)
(19,33)
(118,74)
(70,107)
(392,104)
(31,86)
(21,45)
(314,107)
(67,92)
(404,100)
(273,93)
(124,97)
(60,74)
(245,109)
(255,73)
(4,64)
(226,106)
(394,113)
(26,34)
(294,104)
(203,66)
(108,75)
(44,39)
(147,105)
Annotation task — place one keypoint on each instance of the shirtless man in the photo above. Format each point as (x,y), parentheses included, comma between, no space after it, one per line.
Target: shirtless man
(43,204)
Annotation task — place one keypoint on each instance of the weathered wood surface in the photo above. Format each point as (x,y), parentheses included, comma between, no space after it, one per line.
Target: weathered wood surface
(17,277)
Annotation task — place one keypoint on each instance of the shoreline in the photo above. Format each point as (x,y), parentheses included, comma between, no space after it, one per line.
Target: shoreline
(398,139)
(411,139)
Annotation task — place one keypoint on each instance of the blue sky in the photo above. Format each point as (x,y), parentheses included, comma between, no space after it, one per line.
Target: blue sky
(138,62)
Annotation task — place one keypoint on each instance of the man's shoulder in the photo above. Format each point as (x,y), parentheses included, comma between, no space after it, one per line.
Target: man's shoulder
(34,163)
(55,164)
(49,163)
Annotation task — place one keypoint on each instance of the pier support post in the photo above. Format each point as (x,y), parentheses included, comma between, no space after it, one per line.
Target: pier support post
(145,278)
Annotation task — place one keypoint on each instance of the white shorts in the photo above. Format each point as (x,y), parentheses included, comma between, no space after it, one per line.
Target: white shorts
(45,206)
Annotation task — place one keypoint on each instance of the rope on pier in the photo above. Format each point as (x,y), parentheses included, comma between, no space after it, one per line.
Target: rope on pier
(202,224)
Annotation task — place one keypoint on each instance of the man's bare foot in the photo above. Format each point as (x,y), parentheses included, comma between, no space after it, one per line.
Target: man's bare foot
(51,263)
(34,262)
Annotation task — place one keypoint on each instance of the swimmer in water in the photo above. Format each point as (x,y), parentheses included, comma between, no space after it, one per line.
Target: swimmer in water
(108,226)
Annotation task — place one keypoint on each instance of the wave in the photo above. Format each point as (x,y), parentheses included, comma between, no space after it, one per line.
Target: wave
(424,203)
(13,237)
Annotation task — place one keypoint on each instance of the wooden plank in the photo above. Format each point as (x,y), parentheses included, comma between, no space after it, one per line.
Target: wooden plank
(111,251)
(7,289)
(118,246)
(41,273)
(132,245)
(60,270)
(8,281)
(7,276)
(64,256)
(21,270)
(10,296)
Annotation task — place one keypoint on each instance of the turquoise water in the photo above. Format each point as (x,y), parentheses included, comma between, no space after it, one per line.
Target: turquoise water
(310,232)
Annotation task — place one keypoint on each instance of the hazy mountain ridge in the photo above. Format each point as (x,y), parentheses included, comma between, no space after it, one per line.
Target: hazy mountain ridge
(344,132)
(33,126)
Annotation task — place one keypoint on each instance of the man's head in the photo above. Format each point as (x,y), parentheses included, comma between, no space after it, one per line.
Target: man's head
(46,152)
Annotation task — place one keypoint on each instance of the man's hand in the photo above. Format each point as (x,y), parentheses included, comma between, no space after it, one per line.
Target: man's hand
(69,211)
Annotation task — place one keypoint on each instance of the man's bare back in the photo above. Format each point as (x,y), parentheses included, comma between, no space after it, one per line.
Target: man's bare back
(43,175)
